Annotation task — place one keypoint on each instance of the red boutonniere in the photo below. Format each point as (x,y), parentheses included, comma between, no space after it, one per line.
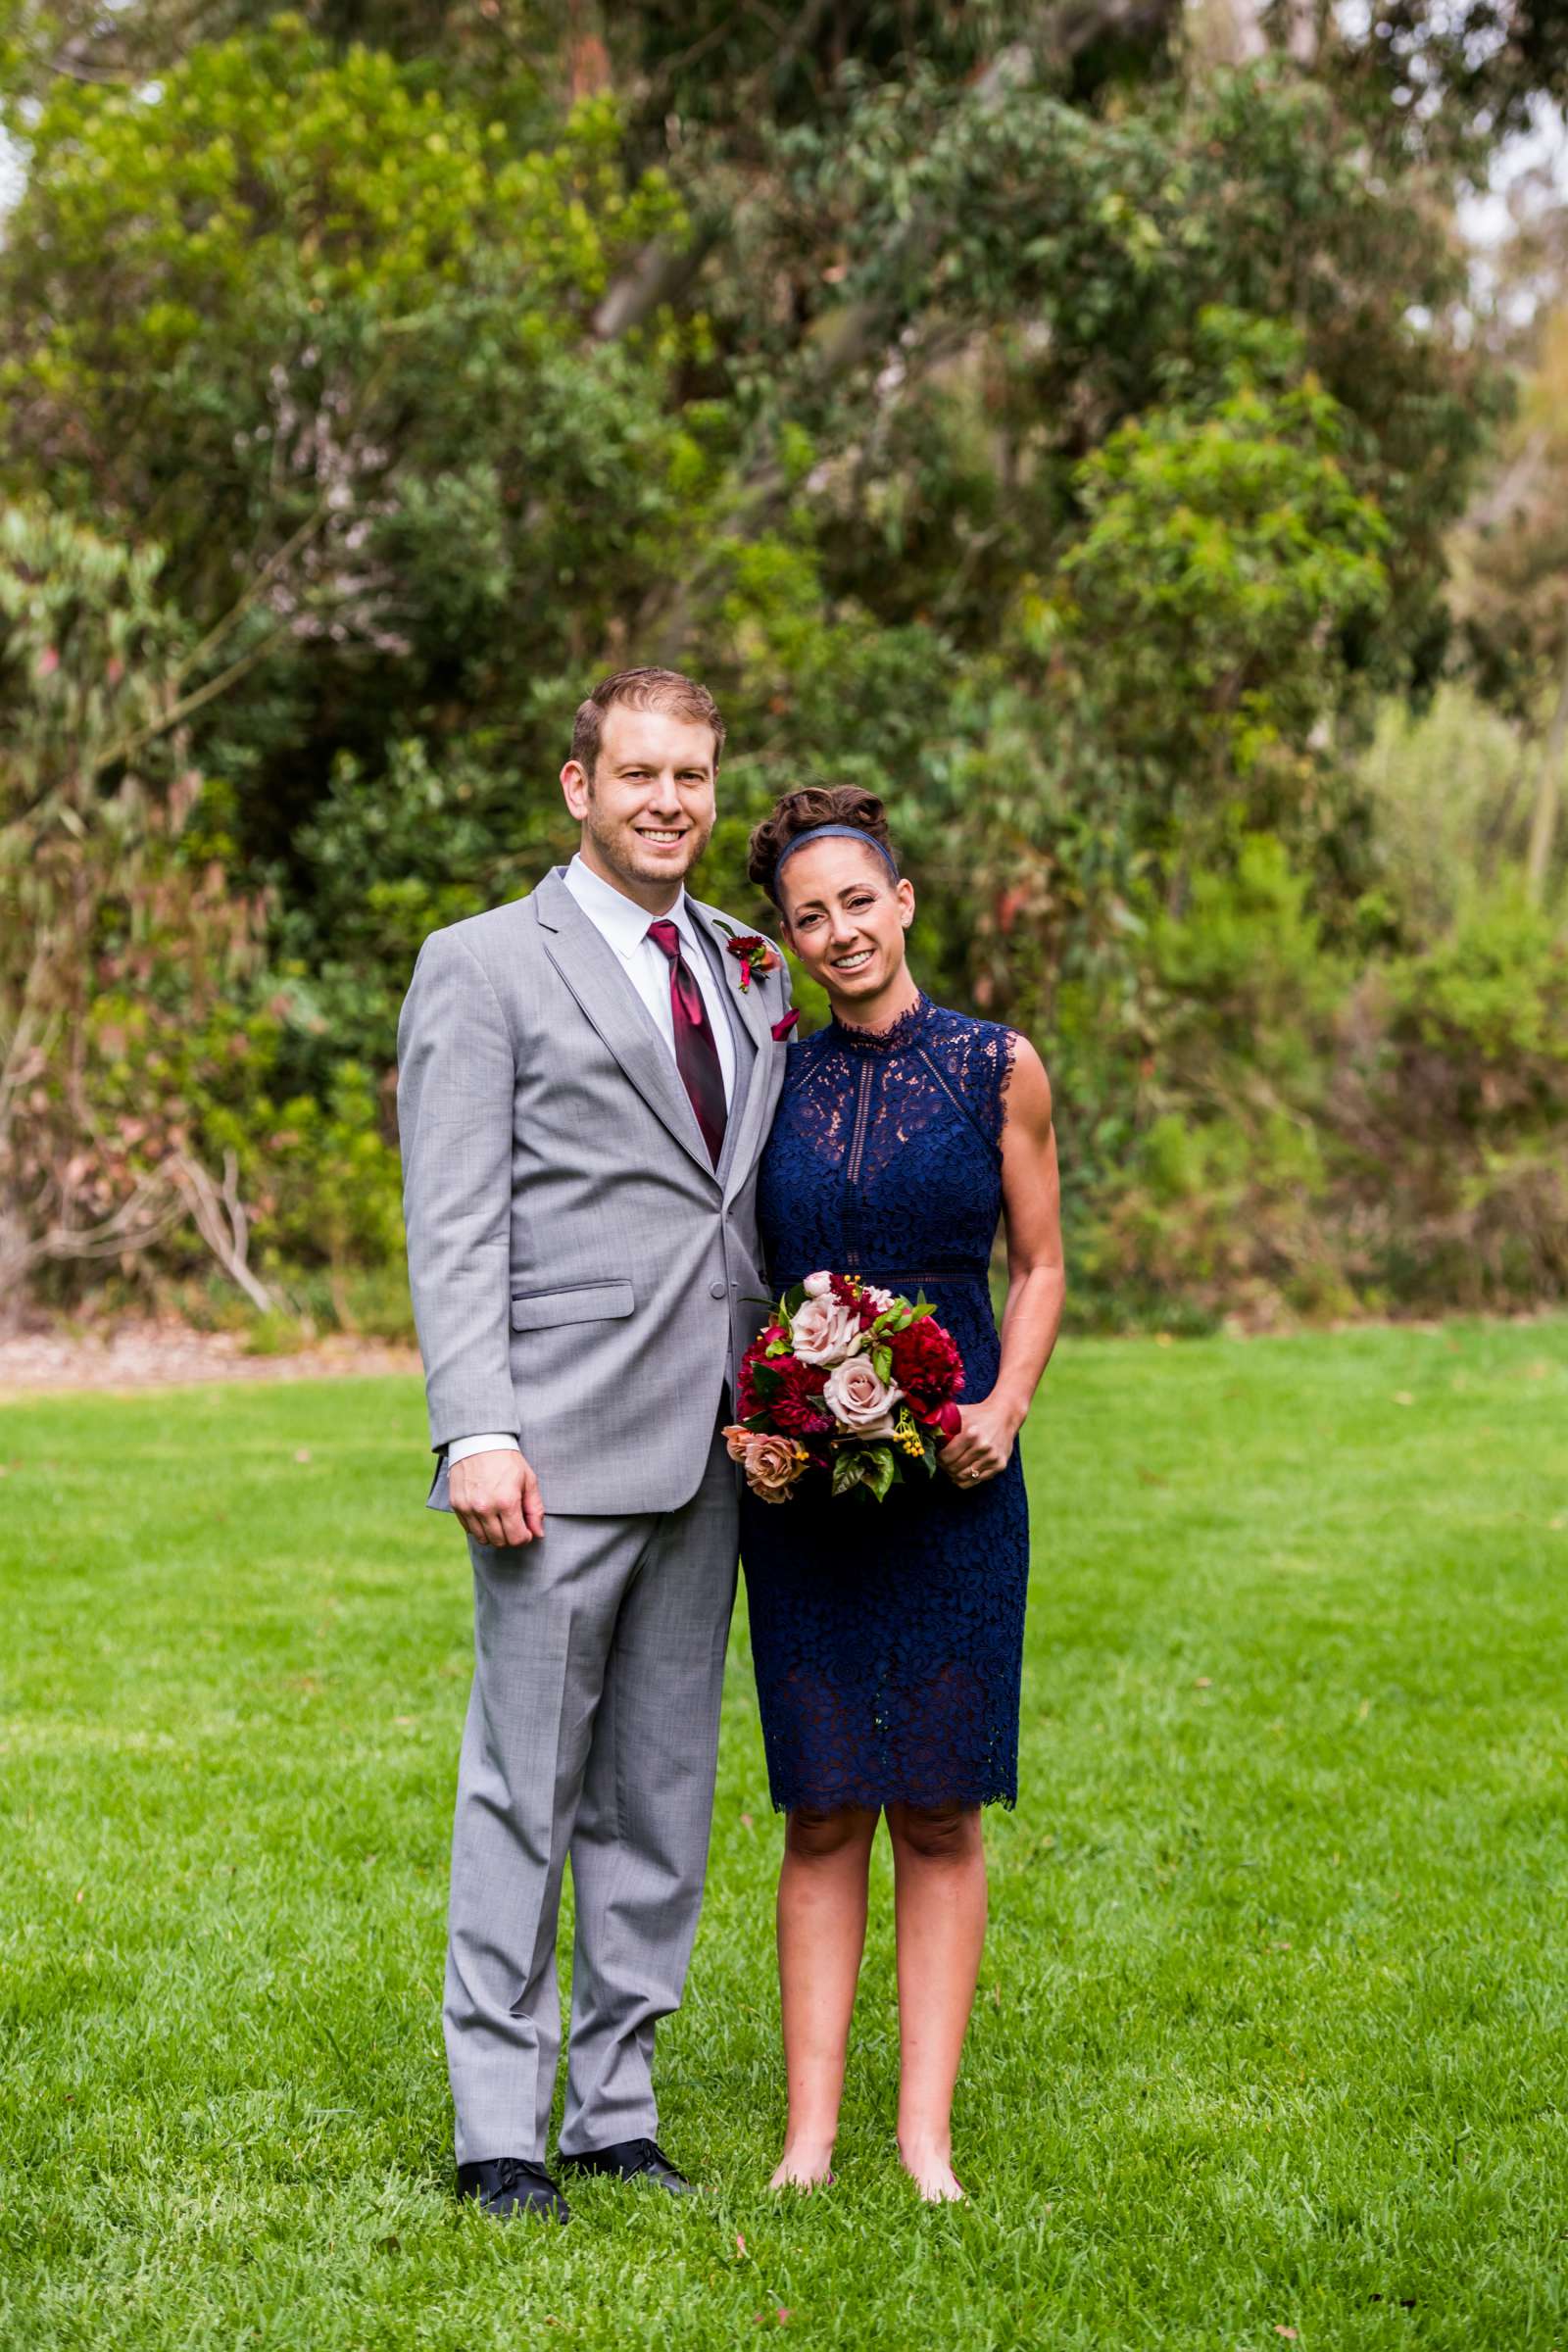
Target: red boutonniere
(782,1028)
(754,954)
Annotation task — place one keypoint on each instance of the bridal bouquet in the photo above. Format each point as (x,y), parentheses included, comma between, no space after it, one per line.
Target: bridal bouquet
(848,1380)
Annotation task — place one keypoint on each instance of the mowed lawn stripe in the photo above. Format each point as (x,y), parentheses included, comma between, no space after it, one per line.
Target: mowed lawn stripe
(1271,2026)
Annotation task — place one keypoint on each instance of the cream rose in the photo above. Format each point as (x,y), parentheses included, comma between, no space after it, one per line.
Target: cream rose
(772,1465)
(818,1286)
(824,1331)
(858,1400)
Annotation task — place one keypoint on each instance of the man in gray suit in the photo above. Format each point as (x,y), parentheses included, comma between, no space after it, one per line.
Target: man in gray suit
(586,1080)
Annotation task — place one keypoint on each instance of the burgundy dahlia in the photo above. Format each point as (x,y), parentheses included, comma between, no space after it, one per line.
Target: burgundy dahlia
(795,1405)
(927,1366)
(789,1397)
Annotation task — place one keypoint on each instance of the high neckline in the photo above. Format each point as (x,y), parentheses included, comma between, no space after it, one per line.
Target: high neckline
(899,1032)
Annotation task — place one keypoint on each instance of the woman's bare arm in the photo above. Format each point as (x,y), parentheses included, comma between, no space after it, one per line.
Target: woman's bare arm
(1037,1281)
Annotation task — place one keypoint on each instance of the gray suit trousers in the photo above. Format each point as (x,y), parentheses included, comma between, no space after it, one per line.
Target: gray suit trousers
(592,1732)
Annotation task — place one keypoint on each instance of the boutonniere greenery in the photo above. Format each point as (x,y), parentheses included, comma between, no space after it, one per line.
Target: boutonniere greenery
(751,951)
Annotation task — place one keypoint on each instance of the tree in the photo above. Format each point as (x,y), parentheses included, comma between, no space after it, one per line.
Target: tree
(123,952)
(1511,586)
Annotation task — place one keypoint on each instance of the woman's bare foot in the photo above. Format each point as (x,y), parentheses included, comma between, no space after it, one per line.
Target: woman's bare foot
(805,2165)
(931,2171)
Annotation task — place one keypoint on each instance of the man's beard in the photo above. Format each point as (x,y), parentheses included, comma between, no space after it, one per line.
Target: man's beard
(616,848)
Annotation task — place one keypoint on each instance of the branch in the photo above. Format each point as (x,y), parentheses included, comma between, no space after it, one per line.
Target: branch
(1515,488)
(71,73)
(659,275)
(221,1221)
(846,335)
(187,703)
(841,339)
(134,1226)
(267,574)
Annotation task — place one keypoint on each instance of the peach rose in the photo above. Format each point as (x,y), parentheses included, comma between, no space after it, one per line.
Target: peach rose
(858,1400)
(824,1331)
(772,1465)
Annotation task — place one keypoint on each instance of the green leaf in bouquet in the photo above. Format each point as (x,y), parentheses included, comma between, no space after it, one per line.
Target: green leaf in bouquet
(879,1469)
(764,1380)
(882,1364)
(848,1469)
(790,1305)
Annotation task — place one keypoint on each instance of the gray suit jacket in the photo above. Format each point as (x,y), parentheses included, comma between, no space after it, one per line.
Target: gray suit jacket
(581,1273)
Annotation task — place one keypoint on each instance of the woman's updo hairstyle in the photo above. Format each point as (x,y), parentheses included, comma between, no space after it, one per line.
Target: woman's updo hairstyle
(801,812)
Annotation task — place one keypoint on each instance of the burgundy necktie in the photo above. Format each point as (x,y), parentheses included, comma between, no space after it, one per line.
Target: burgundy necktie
(695,1055)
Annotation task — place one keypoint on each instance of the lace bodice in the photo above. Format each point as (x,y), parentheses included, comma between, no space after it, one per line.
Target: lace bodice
(911,1117)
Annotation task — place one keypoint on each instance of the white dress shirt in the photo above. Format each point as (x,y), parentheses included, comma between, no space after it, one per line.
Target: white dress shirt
(623,926)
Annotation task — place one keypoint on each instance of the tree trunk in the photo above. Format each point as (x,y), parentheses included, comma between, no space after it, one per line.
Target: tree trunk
(1549,797)
(1226,32)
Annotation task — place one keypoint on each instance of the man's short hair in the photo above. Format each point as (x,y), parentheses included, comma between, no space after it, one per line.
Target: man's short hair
(642,690)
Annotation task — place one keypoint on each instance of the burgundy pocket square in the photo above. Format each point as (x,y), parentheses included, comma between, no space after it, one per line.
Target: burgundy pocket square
(783,1026)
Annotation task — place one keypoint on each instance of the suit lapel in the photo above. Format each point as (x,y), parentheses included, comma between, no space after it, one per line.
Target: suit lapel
(754,1110)
(591,970)
(747,1001)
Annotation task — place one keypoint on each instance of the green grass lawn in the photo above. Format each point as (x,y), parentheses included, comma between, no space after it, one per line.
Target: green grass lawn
(1270,2039)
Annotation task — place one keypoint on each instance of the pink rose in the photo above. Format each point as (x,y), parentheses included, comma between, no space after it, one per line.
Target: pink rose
(858,1400)
(772,1465)
(818,1286)
(824,1331)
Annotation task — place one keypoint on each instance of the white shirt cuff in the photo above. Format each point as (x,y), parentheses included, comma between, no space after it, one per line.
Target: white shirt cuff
(497,1441)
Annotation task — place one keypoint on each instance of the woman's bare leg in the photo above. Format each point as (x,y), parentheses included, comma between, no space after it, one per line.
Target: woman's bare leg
(822,1933)
(938,1863)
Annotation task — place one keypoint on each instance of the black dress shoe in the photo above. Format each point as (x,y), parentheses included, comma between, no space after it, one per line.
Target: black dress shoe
(633,2160)
(508,2185)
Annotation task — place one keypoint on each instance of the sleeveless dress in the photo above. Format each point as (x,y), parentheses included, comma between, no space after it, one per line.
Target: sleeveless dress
(888,1636)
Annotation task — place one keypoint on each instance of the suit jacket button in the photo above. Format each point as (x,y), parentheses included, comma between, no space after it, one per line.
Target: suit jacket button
(718,1289)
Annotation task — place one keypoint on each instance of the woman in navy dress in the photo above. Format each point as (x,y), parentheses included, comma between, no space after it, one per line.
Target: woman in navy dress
(887,1637)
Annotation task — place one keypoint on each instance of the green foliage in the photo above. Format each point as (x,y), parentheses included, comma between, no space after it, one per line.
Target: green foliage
(1319,1135)
(1224,557)
(139,1026)
(335,1181)
(323,331)
(1047,430)
(1447,791)
(1496,988)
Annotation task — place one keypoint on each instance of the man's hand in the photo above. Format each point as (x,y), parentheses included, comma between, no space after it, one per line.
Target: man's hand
(496,1497)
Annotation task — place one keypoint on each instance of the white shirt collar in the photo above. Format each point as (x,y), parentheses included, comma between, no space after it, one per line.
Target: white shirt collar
(622,922)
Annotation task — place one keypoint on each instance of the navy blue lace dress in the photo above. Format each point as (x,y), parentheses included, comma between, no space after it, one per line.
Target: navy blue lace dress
(887,1637)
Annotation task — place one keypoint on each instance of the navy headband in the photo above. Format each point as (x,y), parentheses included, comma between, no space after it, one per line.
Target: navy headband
(827,833)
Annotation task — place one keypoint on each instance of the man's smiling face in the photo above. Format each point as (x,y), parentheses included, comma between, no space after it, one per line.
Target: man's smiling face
(648,809)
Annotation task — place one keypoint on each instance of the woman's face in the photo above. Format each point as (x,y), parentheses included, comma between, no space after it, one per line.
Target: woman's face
(845,918)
